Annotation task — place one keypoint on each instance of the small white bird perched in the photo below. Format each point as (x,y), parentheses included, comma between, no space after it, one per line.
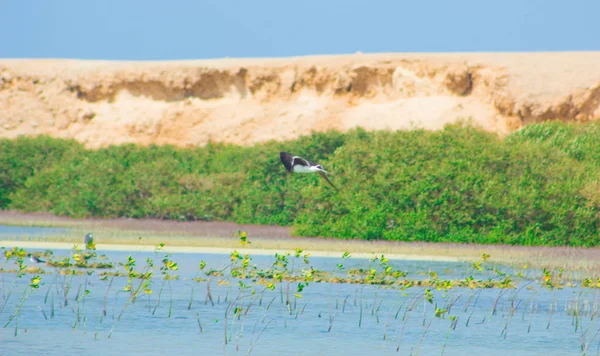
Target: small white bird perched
(300,165)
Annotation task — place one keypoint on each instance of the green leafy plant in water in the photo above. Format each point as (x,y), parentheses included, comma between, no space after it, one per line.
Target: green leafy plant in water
(134,291)
(167,267)
(551,281)
(34,284)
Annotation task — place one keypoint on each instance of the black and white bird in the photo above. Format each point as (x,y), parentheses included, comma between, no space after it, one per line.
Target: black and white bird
(295,164)
(35,259)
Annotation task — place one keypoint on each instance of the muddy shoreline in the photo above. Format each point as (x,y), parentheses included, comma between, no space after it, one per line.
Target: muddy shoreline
(220,235)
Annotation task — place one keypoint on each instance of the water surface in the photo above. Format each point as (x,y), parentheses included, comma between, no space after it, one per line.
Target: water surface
(29,231)
(328,319)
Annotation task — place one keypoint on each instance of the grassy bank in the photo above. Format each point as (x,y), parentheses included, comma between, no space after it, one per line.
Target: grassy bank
(538,186)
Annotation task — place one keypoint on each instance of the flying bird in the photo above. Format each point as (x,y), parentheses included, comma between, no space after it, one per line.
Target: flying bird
(295,164)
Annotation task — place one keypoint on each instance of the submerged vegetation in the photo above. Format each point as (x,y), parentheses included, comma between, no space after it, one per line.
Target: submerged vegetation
(538,186)
(71,291)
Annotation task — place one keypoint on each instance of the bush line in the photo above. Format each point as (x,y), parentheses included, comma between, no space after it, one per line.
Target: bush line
(538,186)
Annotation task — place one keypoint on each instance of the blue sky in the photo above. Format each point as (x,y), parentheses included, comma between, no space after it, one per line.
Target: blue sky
(187,29)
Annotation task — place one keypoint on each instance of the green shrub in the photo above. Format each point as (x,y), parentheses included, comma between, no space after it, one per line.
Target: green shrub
(23,157)
(538,186)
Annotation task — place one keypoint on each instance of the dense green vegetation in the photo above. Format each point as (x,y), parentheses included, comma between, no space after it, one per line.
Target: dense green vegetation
(538,186)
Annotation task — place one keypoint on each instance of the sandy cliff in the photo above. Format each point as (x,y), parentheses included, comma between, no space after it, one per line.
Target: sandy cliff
(243,101)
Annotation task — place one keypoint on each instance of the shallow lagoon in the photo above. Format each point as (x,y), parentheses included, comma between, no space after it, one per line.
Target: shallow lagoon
(304,330)
(22,232)
(329,318)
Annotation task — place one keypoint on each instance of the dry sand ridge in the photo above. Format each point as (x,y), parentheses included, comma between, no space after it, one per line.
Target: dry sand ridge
(244,101)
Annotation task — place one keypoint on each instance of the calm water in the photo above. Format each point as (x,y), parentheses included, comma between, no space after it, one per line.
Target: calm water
(329,319)
(269,328)
(26,231)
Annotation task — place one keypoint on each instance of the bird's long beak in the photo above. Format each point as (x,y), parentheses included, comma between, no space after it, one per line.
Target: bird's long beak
(327,179)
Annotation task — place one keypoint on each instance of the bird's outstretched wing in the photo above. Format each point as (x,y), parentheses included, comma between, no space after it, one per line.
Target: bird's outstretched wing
(287,160)
(327,179)
(301,161)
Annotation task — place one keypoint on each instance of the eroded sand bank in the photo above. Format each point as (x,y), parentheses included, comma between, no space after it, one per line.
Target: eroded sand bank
(244,101)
